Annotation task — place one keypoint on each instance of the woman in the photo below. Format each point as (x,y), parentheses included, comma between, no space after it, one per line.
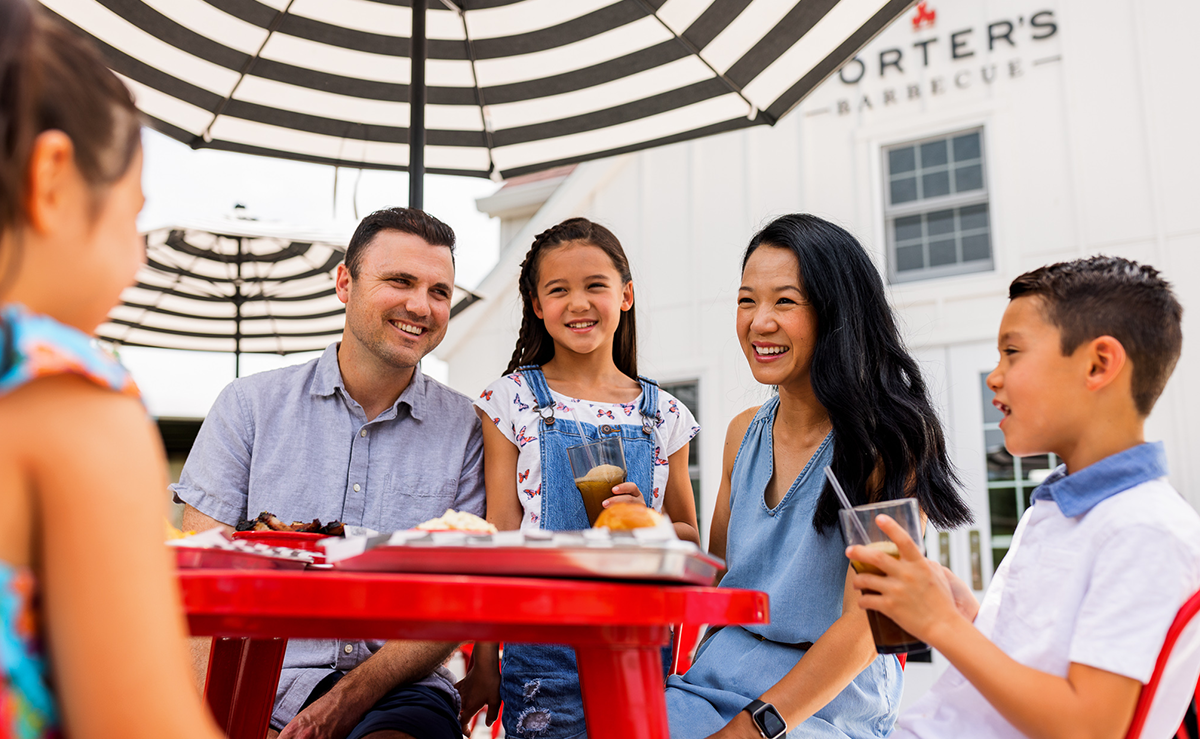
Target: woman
(87,589)
(813,320)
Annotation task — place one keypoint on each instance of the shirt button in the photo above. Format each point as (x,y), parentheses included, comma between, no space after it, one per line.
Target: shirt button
(357,487)
(348,648)
(363,433)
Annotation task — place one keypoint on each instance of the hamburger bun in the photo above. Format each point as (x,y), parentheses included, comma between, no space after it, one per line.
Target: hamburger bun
(626,516)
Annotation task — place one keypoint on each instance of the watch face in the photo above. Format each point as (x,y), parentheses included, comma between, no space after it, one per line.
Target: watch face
(771,723)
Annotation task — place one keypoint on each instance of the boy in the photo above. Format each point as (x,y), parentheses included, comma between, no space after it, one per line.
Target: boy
(1075,616)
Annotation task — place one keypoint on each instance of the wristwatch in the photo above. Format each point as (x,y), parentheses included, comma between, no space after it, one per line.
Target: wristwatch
(768,721)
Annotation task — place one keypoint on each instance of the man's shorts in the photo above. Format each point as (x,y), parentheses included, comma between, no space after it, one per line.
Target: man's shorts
(418,710)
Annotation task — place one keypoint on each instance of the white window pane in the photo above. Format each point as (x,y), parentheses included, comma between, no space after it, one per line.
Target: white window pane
(968,178)
(903,159)
(942,252)
(904,190)
(975,248)
(966,147)
(935,184)
(909,258)
(933,153)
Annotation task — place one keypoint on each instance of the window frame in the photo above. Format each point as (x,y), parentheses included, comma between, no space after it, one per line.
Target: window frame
(926,206)
(693,450)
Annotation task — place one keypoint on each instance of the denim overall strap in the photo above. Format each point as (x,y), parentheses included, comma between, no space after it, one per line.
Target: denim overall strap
(651,418)
(541,393)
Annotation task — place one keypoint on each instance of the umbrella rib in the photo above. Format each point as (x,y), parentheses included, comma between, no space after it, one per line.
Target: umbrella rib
(206,135)
(483,120)
(695,51)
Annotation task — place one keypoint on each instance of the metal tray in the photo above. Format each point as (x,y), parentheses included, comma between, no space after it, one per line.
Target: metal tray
(227,559)
(537,554)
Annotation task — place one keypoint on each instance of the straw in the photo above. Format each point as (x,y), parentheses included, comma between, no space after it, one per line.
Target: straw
(841,494)
(587,448)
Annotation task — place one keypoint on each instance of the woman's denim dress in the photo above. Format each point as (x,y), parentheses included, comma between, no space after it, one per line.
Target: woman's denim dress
(539,683)
(777,550)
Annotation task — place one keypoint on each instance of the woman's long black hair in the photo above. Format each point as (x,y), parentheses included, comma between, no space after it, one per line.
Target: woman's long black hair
(864,377)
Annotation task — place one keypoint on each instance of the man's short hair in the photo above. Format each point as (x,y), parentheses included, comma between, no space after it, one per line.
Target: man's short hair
(1111,296)
(406,220)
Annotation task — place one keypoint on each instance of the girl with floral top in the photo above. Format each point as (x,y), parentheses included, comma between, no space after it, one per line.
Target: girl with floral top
(92,641)
(572,379)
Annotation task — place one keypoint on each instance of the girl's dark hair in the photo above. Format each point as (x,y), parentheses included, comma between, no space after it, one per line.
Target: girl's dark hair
(864,377)
(50,79)
(534,345)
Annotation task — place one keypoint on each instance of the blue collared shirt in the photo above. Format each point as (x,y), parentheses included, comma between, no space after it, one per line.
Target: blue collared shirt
(293,442)
(1078,493)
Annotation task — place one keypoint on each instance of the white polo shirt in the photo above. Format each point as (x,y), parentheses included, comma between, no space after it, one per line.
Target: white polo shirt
(1099,587)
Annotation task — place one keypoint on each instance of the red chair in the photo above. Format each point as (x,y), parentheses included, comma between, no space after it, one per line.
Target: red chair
(1163,701)
(683,646)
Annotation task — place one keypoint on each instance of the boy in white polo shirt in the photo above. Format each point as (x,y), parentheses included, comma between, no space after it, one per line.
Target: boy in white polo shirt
(1076,614)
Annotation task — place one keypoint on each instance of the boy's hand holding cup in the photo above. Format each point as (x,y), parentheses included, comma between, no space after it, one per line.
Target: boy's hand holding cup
(909,590)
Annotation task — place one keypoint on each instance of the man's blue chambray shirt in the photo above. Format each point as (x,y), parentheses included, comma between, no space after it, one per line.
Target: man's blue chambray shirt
(1079,492)
(293,442)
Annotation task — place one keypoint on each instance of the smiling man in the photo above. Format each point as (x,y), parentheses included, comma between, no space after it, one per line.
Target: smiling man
(358,435)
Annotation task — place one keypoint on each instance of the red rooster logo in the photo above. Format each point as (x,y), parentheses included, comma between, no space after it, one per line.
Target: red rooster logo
(924,17)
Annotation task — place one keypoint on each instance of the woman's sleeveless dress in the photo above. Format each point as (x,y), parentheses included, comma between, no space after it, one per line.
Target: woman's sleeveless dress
(539,683)
(34,346)
(777,550)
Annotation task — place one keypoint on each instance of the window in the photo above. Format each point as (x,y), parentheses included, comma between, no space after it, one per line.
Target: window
(937,208)
(688,393)
(1010,480)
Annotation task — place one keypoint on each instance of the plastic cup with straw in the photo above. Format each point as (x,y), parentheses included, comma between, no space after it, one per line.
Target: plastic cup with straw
(860,527)
(598,467)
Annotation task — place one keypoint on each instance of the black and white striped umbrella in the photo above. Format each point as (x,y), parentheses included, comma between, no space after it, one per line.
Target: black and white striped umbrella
(513,86)
(236,286)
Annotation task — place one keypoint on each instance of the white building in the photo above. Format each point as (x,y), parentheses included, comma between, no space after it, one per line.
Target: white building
(971,141)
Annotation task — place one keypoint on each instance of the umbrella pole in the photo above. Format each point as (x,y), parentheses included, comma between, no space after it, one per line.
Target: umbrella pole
(416,107)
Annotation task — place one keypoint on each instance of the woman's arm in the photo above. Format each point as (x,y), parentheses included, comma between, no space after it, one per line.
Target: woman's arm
(679,502)
(114,623)
(500,477)
(719,528)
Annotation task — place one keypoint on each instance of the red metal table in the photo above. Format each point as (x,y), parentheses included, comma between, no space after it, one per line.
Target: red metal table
(616,629)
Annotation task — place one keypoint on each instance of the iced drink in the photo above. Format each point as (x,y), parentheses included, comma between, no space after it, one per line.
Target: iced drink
(597,467)
(889,638)
(596,487)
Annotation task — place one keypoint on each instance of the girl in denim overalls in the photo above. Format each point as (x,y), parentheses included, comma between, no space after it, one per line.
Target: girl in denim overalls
(571,381)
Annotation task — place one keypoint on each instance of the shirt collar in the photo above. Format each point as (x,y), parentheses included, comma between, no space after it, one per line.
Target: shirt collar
(1078,493)
(328,380)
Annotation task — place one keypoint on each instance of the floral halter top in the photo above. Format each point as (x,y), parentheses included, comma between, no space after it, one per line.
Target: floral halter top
(34,346)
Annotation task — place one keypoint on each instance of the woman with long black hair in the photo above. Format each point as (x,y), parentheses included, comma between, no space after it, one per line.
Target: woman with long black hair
(813,321)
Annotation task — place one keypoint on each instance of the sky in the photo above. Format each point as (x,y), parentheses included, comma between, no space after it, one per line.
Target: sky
(183,185)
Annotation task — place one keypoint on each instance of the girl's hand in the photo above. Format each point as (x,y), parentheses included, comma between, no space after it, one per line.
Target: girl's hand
(914,591)
(626,492)
(480,689)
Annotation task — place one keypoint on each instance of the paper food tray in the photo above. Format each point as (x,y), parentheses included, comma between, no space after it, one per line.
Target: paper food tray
(596,553)
(213,549)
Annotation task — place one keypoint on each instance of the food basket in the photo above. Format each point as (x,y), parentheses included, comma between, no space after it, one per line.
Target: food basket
(643,554)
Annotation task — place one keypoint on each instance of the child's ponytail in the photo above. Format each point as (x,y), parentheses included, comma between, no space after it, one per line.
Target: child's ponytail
(534,345)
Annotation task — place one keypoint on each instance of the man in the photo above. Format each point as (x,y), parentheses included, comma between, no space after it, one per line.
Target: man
(358,435)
